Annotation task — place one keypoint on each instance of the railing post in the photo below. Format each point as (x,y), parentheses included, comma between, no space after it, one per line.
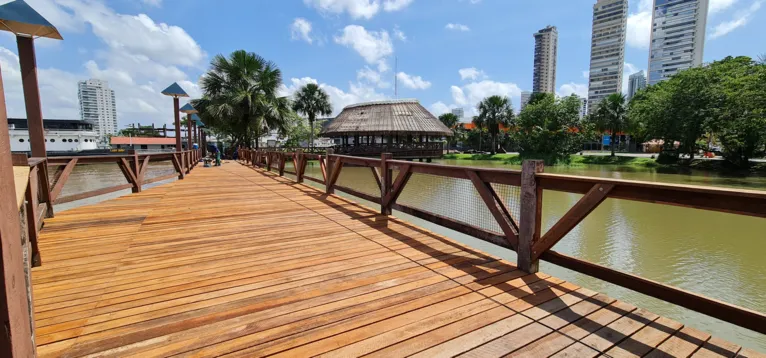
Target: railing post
(282,159)
(385,181)
(531,213)
(330,189)
(137,173)
(298,162)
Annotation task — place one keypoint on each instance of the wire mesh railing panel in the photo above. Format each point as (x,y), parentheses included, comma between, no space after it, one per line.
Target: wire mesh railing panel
(511,197)
(289,166)
(360,179)
(453,198)
(313,170)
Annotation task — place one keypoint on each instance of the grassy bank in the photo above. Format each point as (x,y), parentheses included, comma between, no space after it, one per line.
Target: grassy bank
(639,163)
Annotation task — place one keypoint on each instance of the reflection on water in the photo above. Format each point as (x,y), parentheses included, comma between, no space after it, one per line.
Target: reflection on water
(89,177)
(715,254)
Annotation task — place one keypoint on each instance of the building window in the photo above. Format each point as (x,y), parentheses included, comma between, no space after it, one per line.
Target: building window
(21,140)
(53,141)
(144,146)
(76,140)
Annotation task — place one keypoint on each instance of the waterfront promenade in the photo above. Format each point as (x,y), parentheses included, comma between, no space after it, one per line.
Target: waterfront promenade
(241,262)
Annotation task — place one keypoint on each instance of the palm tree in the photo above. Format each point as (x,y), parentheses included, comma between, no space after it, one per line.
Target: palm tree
(451,121)
(611,115)
(495,111)
(312,100)
(241,97)
(480,123)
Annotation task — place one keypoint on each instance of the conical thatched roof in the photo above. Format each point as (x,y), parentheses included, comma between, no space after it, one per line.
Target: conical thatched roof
(404,116)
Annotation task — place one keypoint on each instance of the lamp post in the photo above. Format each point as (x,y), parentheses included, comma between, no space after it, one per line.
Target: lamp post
(189,110)
(17,335)
(176,92)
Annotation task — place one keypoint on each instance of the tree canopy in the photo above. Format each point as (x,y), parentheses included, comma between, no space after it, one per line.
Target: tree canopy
(611,116)
(240,98)
(311,100)
(724,100)
(550,128)
(495,111)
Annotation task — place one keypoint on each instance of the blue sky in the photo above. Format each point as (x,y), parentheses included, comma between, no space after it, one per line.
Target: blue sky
(451,53)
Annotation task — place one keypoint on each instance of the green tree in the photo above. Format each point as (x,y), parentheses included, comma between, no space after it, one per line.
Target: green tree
(494,112)
(550,129)
(311,100)
(611,116)
(451,121)
(480,124)
(240,98)
(740,123)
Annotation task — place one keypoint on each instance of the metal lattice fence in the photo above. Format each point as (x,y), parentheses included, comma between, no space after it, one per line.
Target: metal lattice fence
(360,179)
(457,199)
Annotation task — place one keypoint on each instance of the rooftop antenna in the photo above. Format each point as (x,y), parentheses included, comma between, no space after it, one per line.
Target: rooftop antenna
(396,82)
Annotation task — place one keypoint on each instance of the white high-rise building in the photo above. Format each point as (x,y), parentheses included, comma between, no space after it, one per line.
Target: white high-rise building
(544,76)
(607,50)
(583,106)
(459,113)
(636,82)
(525,97)
(677,37)
(97,106)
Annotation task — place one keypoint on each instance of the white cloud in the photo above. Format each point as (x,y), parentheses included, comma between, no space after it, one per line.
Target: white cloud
(395,5)
(468,96)
(357,92)
(300,29)
(439,108)
(586,74)
(155,3)
(741,18)
(458,95)
(357,8)
(640,26)
(373,77)
(140,57)
(399,34)
(457,27)
(471,73)
(413,82)
(720,5)
(568,89)
(373,46)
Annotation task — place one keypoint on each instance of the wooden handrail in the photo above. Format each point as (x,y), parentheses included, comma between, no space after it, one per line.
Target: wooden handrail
(531,244)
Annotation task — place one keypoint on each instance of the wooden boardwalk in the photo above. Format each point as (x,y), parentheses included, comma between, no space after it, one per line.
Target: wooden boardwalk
(238,262)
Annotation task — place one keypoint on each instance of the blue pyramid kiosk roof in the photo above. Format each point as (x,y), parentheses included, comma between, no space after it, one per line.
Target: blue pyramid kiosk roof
(197,120)
(21,19)
(175,91)
(188,108)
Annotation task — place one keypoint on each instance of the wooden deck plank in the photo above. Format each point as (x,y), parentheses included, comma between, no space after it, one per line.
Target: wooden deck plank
(293,272)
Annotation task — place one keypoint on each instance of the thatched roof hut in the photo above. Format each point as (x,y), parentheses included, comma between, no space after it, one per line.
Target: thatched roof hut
(386,118)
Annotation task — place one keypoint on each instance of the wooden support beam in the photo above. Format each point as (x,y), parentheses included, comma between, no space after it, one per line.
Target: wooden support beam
(93,193)
(32,216)
(333,173)
(323,168)
(144,168)
(531,213)
(16,335)
(59,185)
(398,187)
(127,171)
(496,207)
(282,161)
(589,202)
(177,166)
(385,181)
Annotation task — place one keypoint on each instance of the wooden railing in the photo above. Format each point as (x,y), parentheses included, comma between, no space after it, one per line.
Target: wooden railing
(523,234)
(36,203)
(134,167)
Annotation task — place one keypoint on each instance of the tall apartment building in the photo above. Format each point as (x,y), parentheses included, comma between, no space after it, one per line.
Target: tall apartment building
(544,76)
(97,106)
(525,97)
(607,49)
(636,82)
(459,113)
(677,38)
(583,106)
